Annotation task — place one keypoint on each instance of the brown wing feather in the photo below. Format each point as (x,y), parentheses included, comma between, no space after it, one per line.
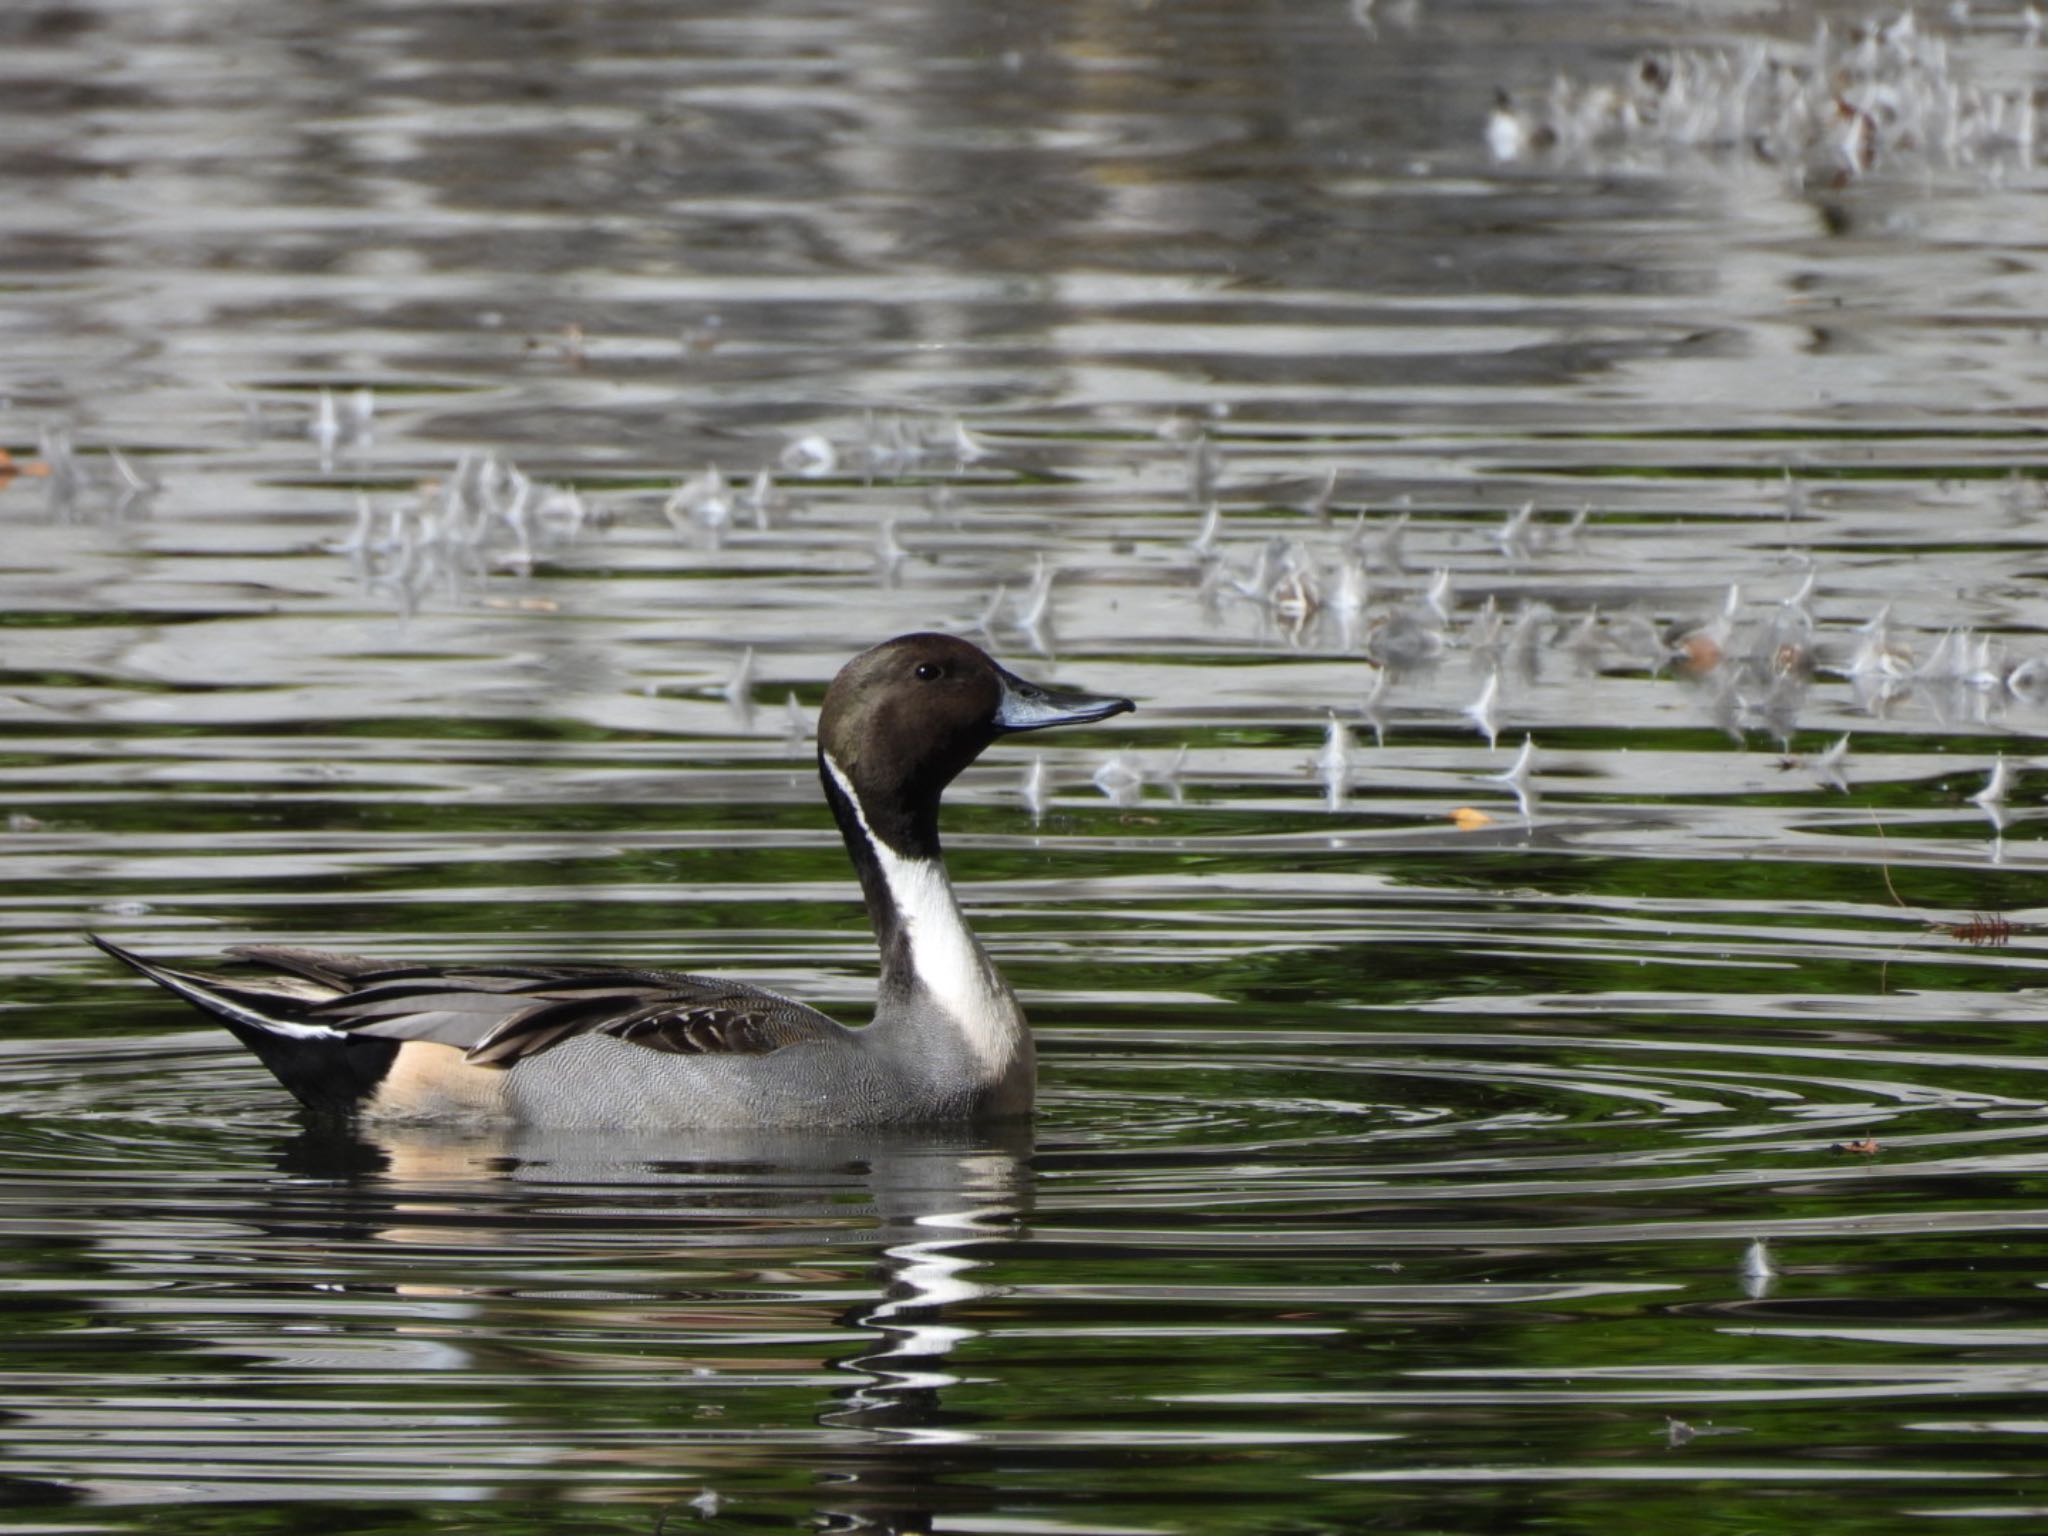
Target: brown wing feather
(686,1016)
(502,1014)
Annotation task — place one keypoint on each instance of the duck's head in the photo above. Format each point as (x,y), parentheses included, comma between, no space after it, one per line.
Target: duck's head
(901,721)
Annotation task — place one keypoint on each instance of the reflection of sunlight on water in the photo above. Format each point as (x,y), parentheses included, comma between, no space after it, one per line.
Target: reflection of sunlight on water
(924,1278)
(718,1273)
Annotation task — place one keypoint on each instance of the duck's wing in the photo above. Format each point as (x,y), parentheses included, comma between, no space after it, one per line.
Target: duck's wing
(498,1015)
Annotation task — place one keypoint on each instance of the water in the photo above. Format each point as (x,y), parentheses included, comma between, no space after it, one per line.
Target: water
(1659,1147)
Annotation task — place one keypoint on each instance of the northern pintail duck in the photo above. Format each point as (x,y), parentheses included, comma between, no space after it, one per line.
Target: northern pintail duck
(553,1044)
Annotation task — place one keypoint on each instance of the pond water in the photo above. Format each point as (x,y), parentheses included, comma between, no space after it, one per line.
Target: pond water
(1650,1131)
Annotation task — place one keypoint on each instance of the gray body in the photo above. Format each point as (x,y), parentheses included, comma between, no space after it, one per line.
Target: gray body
(610,1048)
(893,1072)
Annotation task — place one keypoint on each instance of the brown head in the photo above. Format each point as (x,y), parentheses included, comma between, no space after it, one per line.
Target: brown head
(900,722)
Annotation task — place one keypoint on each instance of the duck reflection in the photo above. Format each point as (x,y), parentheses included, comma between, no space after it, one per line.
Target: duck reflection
(721,1263)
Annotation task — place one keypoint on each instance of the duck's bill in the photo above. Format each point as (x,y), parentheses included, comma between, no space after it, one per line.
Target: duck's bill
(1028,707)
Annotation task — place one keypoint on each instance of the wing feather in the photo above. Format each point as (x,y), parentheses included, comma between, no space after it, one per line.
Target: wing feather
(499,1015)
(685,1016)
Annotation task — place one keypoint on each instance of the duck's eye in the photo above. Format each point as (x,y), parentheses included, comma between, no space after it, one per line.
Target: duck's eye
(927,670)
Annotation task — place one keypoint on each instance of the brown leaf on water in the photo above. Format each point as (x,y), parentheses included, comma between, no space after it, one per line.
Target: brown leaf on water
(1698,655)
(10,466)
(1864,1148)
(524,604)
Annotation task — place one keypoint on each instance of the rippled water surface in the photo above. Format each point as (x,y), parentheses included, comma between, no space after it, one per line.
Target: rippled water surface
(1648,1133)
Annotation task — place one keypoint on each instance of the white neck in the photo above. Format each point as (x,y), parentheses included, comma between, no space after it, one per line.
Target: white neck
(945,957)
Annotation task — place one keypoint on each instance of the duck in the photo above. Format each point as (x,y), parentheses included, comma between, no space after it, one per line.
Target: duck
(583,1045)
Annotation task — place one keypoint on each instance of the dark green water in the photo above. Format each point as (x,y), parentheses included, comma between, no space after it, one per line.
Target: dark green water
(1392,1172)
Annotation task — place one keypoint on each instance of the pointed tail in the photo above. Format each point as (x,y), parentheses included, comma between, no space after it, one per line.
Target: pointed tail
(326,1069)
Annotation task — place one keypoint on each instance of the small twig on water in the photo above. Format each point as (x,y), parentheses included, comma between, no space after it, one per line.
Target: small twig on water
(1883,863)
(1984,929)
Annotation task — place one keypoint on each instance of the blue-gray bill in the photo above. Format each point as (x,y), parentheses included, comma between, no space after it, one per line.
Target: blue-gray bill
(1030,707)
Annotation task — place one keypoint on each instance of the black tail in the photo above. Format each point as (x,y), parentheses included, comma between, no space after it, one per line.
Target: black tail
(326,1069)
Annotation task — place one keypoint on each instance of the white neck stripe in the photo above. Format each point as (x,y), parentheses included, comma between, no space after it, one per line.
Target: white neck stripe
(944,954)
